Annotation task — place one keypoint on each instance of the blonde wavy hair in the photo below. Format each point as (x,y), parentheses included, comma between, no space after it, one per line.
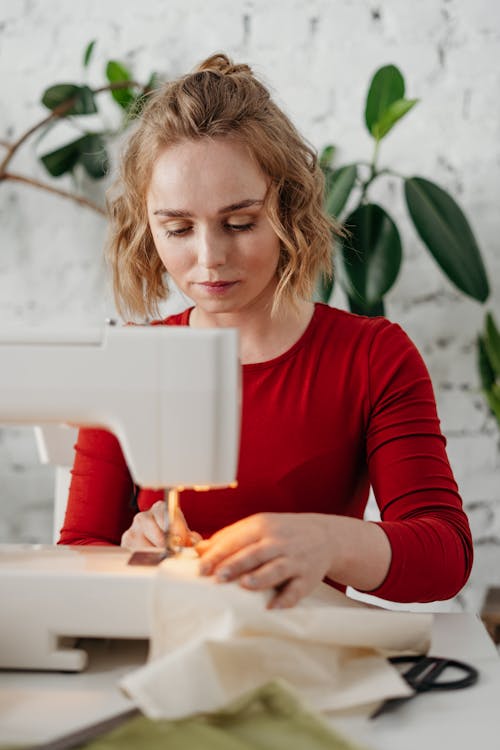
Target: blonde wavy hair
(218,99)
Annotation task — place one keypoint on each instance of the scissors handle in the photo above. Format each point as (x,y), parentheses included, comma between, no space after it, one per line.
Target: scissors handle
(425,672)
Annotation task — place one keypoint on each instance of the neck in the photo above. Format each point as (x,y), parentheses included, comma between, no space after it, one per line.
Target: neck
(262,336)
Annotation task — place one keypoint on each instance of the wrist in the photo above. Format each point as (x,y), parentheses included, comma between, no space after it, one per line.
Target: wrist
(360,552)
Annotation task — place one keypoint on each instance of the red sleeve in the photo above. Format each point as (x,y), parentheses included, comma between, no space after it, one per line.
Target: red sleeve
(420,507)
(99,506)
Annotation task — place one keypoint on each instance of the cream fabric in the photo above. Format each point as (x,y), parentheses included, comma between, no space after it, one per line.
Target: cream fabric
(211,643)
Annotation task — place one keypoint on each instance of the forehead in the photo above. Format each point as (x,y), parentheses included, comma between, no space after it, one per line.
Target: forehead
(205,175)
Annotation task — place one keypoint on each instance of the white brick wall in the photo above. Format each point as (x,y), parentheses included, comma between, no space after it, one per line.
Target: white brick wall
(318,57)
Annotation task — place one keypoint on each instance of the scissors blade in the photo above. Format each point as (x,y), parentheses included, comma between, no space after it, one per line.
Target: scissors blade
(389,705)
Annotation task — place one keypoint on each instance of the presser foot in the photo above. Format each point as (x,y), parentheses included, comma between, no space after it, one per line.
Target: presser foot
(153,557)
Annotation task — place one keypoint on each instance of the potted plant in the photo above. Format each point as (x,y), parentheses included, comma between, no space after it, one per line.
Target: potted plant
(369,257)
(88,151)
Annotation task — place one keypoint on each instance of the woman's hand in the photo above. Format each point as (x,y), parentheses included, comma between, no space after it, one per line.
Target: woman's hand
(148,529)
(290,552)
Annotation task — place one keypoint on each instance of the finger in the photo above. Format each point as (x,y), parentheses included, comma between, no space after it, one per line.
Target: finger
(245,560)
(150,529)
(159,512)
(178,526)
(132,540)
(228,541)
(180,529)
(288,594)
(194,539)
(273,574)
(144,532)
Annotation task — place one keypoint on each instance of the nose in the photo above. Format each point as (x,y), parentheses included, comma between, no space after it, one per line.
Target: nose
(212,251)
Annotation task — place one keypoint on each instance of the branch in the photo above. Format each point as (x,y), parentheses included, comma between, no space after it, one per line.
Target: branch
(57,112)
(56,191)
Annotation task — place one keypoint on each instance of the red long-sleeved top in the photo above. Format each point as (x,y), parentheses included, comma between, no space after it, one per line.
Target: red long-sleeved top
(349,405)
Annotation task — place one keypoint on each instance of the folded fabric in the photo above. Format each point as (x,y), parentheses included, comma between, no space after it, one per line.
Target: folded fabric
(212,643)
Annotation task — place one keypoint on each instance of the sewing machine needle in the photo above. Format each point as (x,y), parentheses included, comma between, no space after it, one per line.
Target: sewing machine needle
(155,557)
(171,495)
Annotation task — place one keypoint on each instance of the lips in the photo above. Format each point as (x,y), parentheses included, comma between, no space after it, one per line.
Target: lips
(217,288)
(216,284)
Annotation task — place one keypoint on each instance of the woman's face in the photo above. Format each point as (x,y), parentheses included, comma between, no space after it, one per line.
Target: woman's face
(210,228)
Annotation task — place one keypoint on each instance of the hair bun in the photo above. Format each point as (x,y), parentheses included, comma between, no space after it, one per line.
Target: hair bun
(222,64)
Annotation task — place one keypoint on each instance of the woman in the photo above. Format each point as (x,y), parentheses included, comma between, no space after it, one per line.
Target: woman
(218,189)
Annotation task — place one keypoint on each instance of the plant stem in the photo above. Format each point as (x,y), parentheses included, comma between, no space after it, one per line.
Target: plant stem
(374,173)
(56,191)
(58,111)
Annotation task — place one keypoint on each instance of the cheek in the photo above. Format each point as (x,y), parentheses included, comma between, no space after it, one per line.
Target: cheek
(171,260)
(268,249)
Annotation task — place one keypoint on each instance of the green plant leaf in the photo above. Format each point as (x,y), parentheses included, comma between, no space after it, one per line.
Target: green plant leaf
(153,81)
(444,229)
(324,288)
(93,155)
(376,310)
(338,188)
(493,400)
(391,116)
(63,159)
(369,260)
(326,156)
(492,343)
(117,73)
(88,53)
(61,92)
(486,372)
(386,87)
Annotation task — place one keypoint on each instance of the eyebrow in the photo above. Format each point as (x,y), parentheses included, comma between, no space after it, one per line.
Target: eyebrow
(181,213)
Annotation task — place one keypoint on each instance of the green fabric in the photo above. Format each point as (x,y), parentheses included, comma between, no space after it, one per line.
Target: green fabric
(271,718)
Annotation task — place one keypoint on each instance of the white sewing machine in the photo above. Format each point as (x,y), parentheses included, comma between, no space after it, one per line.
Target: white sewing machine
(172,398)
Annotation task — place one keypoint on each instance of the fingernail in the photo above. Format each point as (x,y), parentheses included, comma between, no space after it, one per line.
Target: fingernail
(250,581)
(223,575)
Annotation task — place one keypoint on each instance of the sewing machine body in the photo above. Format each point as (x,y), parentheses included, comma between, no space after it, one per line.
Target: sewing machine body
(169,394)
(54,595)
(172,398)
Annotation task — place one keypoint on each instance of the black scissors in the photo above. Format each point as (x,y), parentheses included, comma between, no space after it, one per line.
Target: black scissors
(423,676)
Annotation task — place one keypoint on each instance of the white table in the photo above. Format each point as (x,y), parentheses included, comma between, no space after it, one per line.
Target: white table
(38,706)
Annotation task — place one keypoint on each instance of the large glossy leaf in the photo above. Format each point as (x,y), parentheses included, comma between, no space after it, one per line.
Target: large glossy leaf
(84,98)
(391,116)
(63,159)
(493,399)
(371,311)
(117,73)
(338,188)
(444,229)
(490,384)
(369,260)
(492,343)
(326,156)
(386,87)
(93,155)
(324,288)
(486,372)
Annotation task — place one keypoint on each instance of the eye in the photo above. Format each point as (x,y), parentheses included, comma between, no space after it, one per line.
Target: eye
(241,227)
(177,232)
